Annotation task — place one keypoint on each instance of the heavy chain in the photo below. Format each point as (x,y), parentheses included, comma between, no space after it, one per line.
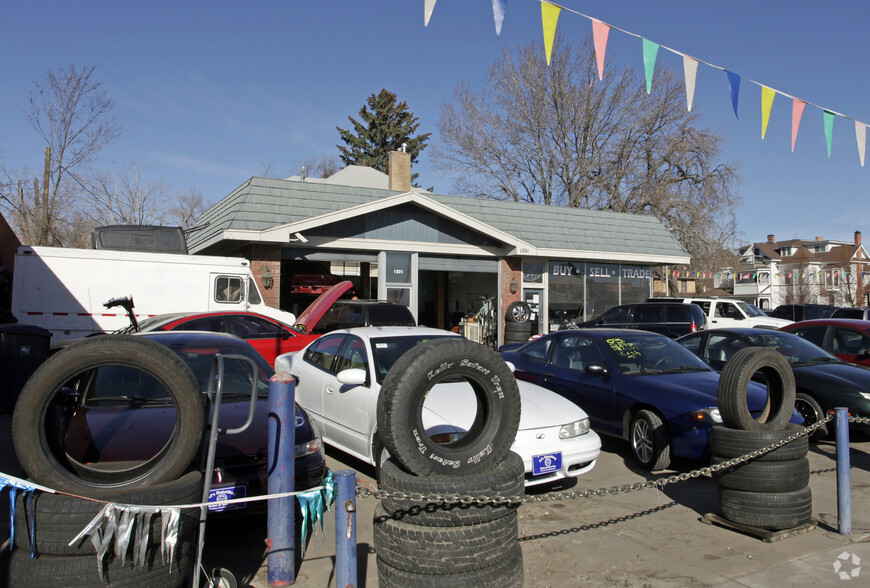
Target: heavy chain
(861,420)
(366,491)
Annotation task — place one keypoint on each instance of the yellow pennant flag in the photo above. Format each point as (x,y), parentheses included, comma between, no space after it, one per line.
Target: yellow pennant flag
(767,95)
(549,18)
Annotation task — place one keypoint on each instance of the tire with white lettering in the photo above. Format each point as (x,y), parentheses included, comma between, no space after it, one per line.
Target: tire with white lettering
(734,383)
(730,443)
(490,394)
(773,511)
(764,476)
(51,521)
(39,428)
(506,480)
(506,573)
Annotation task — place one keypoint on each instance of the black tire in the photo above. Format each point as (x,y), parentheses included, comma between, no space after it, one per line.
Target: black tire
(809,408)
(400,406)
(44,459)
(81,572)
(507,573)
(442,550)
(764,476)
(729,443)
(56,519)
(518,328)
(511,338)
(776,511)
(507,479)
(650,441)
(735,379)
(518,312)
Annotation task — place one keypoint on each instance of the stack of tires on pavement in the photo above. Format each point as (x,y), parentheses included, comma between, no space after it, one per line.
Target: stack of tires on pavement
(770,491)
(517,328)
(420,539)
(45,523)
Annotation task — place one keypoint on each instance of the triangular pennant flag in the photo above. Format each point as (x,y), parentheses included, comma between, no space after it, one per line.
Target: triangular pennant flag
(498,7)
(690,69)
(650,51)
(767,96)
(549,18)
(428,7)
(829,128)
(600,31)
(797,110)
(734,84)
(861,136)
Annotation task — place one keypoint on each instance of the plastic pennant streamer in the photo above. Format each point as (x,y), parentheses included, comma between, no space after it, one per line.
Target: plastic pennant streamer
(313,503)
(650,51)
(549,19)
(600,32)
(767,96)
(734,85)
(797,111)
(428,7)
(498,7)
(15,484)
(829,128)
(861,136)
(690,69)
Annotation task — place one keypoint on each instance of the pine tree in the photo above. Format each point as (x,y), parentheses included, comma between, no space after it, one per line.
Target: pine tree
(385,125)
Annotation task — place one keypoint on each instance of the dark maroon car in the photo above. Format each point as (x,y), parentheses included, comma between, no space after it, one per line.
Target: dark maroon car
(848,339)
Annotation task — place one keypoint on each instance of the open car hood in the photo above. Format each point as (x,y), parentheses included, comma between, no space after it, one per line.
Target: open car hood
(315,311)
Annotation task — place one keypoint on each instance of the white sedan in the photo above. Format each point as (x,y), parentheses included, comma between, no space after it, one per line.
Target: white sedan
(339,378)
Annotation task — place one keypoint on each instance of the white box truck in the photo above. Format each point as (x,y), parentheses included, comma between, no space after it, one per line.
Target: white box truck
(64,290)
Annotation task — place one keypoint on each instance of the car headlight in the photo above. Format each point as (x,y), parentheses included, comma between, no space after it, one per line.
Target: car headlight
(574,429)
(706,415)
(303,449)
(865,395)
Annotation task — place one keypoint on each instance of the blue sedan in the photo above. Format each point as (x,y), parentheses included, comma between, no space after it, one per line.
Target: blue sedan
(637,385)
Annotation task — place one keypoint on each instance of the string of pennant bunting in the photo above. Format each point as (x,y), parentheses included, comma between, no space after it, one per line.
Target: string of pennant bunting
(550,12)
(752,275)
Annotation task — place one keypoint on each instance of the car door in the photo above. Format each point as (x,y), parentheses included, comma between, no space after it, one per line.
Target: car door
(727,314)
(313,374)
(269,338)
(349,410)
(566,375)
(850,344)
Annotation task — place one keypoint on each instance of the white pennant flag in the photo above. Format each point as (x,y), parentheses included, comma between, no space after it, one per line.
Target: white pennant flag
(861,135)
(690,69)
(428,7)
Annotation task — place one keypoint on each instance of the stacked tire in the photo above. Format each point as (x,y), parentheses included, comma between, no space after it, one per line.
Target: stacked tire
(429,531)
(517,328)
(770,491)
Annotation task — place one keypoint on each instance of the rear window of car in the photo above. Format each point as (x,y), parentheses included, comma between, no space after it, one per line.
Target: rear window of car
(850,313)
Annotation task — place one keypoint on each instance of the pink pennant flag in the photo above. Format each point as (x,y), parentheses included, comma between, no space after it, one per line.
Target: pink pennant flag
(797,110)
(600,31)
(690,69)
(861,136)
(428,7)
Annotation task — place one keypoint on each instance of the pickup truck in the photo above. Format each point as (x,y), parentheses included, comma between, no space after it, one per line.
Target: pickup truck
(730,312)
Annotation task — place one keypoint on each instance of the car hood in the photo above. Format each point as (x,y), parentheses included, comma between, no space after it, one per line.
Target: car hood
(691,391)
(829,374)
(315,311)
(444,407)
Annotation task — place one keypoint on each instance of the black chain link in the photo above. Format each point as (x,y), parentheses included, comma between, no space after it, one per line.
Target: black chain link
(365,491)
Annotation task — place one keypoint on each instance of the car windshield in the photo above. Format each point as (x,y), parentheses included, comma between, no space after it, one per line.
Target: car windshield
(794,348)
(643,353)
(387,350)
(751,310)
(237,372)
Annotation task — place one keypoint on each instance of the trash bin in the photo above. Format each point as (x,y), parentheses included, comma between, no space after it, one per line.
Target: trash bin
(23,348)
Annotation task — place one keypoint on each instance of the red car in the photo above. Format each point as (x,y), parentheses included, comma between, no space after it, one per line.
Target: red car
(848,339)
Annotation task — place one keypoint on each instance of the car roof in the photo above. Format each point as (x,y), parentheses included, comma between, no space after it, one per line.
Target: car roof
(375,332)
(858,323)
(160,320)
(601,333)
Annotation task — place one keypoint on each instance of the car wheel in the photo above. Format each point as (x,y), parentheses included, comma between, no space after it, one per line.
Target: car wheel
(53,520)
(774,511)
(764,476)
(507,479)
(495,404)
(730,443)
(809,408)
(38,433)
(650,442)
(442,550)
(506,573)
(734,383)
(518,312)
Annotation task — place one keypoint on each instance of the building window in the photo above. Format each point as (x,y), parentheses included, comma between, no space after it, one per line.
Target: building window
(832,279)
(533,272)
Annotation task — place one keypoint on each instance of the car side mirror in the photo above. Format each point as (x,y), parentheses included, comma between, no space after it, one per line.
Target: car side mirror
(597,369)
(285,334)
(352,377)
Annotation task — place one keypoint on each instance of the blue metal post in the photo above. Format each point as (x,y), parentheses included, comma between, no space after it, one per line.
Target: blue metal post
(282,478)
(844,476)
(345,528)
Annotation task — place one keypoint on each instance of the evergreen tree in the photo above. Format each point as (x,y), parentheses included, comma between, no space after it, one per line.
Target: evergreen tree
(385,125)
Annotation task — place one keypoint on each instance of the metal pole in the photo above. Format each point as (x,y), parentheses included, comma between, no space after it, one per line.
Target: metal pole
(345,529)
(282,478)
(844,477)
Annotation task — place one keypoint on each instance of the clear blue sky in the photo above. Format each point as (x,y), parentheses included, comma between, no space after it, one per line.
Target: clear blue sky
(210,92)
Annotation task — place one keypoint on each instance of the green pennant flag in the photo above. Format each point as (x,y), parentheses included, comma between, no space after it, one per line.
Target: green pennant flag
(829,128)
(650,51)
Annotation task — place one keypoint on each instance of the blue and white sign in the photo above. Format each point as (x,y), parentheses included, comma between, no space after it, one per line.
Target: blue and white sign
(218,497)
(546,463)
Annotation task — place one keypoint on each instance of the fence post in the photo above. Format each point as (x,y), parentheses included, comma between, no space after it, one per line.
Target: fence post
(345,528)
(844,476)
(281,520)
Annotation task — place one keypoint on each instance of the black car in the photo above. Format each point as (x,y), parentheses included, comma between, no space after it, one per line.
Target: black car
(672,320)
(853,312)
(802,312)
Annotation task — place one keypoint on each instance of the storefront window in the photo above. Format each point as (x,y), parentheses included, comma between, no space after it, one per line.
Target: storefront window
(636,282)
(533,272)
(566,293)
(602,288)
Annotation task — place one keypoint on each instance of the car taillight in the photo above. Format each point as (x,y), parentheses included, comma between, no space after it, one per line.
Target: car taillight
(693,327)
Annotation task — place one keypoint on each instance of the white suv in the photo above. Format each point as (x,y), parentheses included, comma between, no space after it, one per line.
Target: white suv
(730,312)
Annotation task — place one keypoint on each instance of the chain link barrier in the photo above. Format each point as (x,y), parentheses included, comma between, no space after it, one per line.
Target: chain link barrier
(461,499)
